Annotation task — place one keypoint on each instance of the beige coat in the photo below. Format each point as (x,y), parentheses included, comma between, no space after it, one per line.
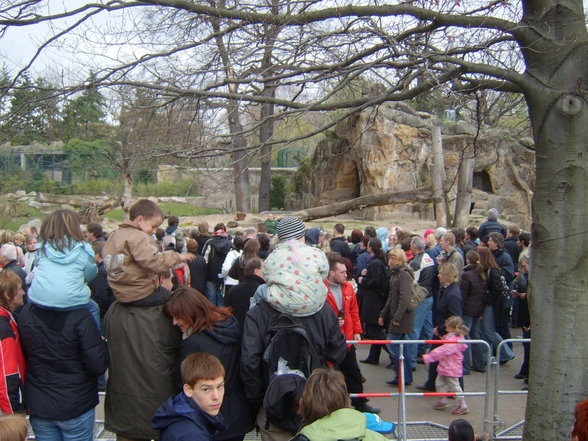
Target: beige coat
(132,261)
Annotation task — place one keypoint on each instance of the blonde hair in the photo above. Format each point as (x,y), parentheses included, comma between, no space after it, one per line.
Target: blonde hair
(399,254)
(456,323)
(449,271)
(13,428)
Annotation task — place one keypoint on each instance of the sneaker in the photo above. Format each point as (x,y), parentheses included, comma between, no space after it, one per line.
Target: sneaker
(440,405)
(461,410)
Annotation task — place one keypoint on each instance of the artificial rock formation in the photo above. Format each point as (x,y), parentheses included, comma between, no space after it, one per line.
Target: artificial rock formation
(388,149)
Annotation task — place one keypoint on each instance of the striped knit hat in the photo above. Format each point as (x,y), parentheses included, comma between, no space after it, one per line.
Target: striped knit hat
(290,227)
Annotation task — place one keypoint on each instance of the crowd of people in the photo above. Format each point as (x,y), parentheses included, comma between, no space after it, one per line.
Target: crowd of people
(206,335)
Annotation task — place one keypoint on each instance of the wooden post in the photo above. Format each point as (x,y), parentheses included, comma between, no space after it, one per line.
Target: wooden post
(438,176)
(465,180)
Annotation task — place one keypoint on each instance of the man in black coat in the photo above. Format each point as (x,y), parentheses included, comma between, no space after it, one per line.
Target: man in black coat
(323,329)
(491,225)
(338,242)
(504,261)
(511,245)
(239,295)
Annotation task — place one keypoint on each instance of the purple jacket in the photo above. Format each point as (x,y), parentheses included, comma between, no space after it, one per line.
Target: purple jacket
(449,356)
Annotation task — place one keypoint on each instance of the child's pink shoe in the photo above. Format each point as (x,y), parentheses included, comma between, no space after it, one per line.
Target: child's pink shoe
(462,409)
(440,405)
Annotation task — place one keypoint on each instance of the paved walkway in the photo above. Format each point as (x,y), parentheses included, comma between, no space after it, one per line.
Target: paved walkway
(511,408)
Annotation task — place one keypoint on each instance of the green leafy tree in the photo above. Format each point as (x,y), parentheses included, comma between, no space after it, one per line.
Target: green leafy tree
(33,111)
(90,159)
(83,116)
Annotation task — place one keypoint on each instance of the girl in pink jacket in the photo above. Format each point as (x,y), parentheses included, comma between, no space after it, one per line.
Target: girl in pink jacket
(450,369)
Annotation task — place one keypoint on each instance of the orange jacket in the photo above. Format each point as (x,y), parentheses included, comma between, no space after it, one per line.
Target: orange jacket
(351,323)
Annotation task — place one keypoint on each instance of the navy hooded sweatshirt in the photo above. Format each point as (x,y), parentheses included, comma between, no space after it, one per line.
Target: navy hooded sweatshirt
(180,419)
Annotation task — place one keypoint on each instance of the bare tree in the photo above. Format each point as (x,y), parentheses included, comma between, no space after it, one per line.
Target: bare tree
(536,48)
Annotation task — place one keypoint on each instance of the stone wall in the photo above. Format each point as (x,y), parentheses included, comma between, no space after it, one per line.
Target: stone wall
(217,185)
(389,149)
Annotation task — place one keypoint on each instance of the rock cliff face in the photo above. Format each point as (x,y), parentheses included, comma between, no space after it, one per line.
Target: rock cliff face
(389,149)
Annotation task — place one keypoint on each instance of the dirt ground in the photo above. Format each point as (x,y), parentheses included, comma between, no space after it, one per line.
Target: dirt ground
(412,225)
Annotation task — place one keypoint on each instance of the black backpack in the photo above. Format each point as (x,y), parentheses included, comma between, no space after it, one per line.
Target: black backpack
(290,356)
(499,296)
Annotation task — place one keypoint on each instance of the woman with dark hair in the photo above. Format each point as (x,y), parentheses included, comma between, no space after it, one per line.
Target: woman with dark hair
(197,267)
(264,246)
(461,430)
(493,284)
(473,291)
(374,288)
(232,257)
(250,250)
(213,329)
(325,395)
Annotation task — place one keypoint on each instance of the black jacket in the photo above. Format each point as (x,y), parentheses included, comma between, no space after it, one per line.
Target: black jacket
(521,284)
(490,226)
(101,291)
(339,244)
(373,291)
(504,261)
(323,326)
(513,250)
(215,251)
(222,341)
(65,354)
(239,295)
(473,291)
(449,303)
(197,269)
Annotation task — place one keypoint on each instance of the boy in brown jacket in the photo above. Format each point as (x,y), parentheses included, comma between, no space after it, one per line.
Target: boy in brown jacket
(142,341)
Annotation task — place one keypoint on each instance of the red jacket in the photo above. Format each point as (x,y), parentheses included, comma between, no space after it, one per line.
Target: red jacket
(12,365)
(351,324)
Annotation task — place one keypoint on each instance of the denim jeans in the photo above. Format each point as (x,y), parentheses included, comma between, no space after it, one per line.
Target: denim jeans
(214,294)
(395,354)
(423,322)
(80,428)
(492,337)
(475,355)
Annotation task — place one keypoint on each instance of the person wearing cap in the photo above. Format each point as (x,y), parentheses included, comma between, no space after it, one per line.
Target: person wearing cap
(491,225)
(314,237)
(292,270)
(294,274)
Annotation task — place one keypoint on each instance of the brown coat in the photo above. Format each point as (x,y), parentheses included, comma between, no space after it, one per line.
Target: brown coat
(132,261)
(396,306)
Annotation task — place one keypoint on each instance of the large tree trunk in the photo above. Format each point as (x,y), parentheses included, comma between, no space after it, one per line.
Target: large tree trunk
(422,194)
(238,141)
(438,176)
(465,181)
(557,66)
(266,132)
(127,194)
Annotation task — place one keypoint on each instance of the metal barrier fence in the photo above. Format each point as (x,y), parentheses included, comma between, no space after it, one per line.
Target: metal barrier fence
(514,432)
(490,426)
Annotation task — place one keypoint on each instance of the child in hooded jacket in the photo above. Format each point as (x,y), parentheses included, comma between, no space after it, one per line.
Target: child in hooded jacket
(64,265)
(450,368)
